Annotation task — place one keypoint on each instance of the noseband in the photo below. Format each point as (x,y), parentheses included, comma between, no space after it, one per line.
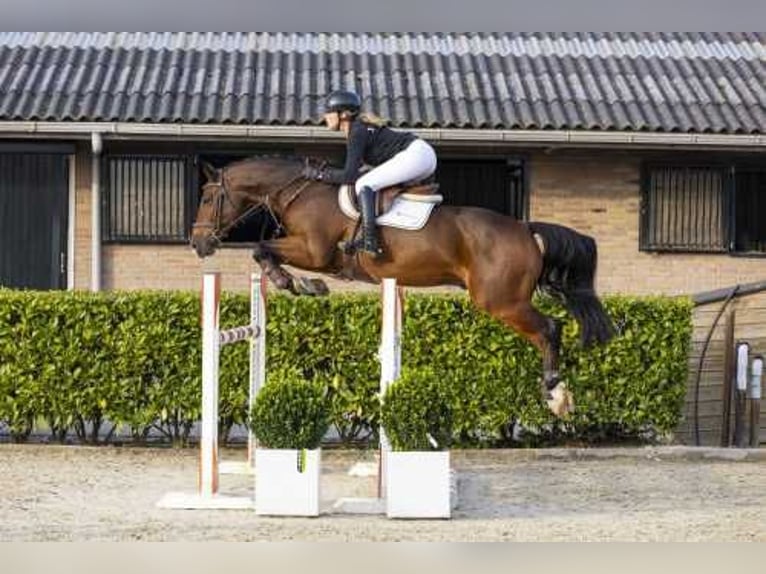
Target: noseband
(218,232)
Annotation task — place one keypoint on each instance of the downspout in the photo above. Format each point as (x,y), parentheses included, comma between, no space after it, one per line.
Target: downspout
(72,223)
(97,145)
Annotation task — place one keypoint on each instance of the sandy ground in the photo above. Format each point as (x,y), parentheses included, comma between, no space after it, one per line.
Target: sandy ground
(73,493)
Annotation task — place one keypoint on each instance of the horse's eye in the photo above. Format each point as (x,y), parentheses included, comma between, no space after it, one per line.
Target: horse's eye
(206,200)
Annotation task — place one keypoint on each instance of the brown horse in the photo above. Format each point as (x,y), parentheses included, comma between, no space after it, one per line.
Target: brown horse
(499,260)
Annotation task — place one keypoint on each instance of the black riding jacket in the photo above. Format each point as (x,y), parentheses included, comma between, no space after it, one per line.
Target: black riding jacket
(367,144)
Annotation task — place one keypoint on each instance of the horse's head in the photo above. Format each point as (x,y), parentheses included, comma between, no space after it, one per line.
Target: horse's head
(229,195)
(220,206)
(232,193)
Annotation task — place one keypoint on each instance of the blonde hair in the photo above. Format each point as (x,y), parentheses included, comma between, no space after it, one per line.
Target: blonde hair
(370,118)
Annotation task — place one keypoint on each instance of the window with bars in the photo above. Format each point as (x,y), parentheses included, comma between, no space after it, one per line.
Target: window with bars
(147,198)
(703,209)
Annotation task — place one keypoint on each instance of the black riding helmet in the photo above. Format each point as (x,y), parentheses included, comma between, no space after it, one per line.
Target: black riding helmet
(343,101)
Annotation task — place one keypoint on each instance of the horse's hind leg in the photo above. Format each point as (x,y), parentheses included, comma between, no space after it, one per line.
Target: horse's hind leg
(541,330)
(545,333)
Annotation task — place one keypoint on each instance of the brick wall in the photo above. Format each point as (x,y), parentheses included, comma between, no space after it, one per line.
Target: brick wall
(599,195)
(596,194)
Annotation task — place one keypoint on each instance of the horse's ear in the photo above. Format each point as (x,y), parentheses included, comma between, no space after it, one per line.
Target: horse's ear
(211,173)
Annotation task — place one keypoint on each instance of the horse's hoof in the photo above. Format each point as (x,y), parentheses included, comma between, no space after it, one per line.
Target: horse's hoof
(282,282)
(318,287)
(560,401)
(309,286)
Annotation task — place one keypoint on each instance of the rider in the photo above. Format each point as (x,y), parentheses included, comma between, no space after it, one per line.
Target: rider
(398,157)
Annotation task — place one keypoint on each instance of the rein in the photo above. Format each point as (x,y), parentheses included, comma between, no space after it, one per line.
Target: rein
(219,232)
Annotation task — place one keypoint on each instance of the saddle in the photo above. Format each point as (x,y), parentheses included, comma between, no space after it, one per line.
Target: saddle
(426,191)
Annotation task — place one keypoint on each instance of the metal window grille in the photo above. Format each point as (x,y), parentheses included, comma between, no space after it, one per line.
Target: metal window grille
(684,208)
(147,198)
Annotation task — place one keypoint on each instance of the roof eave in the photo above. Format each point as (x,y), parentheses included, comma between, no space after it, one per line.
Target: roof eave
(569,138)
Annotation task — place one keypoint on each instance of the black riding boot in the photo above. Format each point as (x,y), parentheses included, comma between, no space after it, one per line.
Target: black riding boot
(369,229)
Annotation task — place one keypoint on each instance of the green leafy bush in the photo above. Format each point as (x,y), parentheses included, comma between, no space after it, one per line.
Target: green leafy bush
(417,411)
(79,362)
(291,412)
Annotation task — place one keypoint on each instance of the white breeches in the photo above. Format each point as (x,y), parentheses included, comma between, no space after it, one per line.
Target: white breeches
(416,162)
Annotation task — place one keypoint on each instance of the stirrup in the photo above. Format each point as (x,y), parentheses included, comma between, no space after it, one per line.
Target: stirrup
(374,253)
(349,247)
(369,245)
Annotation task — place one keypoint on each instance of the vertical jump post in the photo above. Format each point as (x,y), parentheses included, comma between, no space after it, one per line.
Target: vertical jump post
(390,361)
(213,339)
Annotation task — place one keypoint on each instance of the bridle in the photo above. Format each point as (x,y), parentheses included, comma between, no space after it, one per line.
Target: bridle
(219,232)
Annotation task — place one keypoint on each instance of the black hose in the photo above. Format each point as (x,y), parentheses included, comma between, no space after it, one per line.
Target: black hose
(729,297)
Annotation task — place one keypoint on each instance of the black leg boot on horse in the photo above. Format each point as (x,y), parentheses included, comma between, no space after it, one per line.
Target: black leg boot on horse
(370,244)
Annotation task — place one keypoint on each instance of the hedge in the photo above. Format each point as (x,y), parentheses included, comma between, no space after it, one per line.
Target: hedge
(83,363)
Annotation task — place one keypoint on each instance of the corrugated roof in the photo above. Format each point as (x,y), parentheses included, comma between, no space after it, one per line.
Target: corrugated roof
(687,82)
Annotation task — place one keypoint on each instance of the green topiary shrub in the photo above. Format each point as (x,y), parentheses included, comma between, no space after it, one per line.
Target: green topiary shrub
(291,412)
(417,411)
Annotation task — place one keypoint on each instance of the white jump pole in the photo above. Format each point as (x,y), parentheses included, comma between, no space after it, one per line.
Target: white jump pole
(390,357)
(211,350)
(390,361)
(212,341)
(257,353)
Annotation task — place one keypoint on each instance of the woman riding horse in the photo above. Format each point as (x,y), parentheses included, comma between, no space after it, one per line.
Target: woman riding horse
(499,260)
(399,157)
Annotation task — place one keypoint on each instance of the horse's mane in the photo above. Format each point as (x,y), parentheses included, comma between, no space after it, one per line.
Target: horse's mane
(268,158)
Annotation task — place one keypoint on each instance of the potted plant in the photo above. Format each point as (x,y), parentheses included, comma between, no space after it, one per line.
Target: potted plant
(289,418)
(416,414)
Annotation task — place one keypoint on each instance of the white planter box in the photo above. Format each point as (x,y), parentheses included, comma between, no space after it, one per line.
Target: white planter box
(418,484)
(280,488)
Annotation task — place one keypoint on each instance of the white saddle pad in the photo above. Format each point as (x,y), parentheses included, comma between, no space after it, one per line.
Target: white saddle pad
(407,212)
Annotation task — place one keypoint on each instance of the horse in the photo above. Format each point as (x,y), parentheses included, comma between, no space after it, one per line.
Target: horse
(499,260)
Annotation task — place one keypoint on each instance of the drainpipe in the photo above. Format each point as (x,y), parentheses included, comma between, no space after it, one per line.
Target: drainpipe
(97,145)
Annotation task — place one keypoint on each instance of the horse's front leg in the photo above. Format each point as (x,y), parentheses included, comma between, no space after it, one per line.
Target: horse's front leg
(292,250)
(269,264)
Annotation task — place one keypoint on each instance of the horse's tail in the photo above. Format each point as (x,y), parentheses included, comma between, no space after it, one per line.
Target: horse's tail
(569,267)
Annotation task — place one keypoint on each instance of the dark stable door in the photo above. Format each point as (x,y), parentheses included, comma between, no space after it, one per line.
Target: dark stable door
(493,184)
(34,191)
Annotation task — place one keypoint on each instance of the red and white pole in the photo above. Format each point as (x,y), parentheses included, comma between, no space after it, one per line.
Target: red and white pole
(208,468)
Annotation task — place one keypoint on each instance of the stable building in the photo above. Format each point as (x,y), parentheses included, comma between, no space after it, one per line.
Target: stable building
(652,143)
